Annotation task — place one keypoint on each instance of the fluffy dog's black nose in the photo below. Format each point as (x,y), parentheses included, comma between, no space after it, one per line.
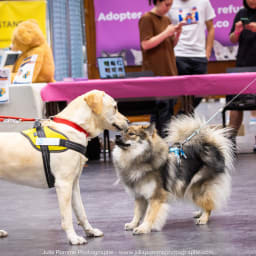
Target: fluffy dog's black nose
(119,142)
(118,137)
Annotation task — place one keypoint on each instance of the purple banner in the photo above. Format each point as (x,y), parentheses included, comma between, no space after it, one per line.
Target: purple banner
(225,11)
(117,31)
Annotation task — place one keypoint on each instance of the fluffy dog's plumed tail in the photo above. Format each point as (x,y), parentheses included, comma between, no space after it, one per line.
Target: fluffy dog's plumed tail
(208,164)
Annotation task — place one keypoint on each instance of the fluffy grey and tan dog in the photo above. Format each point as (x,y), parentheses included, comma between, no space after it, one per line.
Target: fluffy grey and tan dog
(154,177)
(21,163)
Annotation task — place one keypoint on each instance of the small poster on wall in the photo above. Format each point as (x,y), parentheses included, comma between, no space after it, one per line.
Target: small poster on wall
(26,70)
(5,81)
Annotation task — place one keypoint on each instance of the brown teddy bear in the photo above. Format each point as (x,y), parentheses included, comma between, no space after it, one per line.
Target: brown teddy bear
(29,39)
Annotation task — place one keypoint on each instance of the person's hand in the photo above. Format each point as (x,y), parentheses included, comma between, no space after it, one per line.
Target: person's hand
(238,27)
(251,26)
(208,55)
(170,30)
(178,28)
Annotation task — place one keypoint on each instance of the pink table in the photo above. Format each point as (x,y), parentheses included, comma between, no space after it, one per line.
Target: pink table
(153,87)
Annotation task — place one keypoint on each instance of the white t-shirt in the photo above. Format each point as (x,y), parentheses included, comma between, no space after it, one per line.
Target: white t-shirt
(192,39)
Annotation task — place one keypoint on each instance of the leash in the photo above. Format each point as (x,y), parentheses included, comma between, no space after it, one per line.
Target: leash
(179,149)
(217,112)
(15,119)
(8,119)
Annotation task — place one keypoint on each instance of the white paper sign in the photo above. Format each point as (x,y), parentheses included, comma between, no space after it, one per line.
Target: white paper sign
(48,141)
(5,81)
(26,70)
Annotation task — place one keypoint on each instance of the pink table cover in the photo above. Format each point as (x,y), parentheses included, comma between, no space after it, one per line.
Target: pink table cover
(200,85)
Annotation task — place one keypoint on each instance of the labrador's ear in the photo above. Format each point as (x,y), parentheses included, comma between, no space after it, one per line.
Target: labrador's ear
(94,100)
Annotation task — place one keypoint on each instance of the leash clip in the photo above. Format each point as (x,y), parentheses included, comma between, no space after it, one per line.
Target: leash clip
(179,153)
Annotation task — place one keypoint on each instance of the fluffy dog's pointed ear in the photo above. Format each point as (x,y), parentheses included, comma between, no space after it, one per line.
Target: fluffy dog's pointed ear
(94,100)
(150,129)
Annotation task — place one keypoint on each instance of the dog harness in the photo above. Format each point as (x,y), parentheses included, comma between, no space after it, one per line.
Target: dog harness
(179,153)
(47,140)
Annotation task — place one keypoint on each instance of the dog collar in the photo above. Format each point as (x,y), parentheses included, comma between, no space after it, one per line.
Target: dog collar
(71,124)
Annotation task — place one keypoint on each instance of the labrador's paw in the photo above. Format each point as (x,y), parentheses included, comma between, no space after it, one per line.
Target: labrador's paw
(3,234)
(94,232)
(77,240)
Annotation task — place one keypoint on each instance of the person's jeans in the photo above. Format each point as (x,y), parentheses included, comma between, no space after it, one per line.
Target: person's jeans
(192,66)
(162,115)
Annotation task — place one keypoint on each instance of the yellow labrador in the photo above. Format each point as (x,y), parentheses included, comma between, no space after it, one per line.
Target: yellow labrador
(22,164)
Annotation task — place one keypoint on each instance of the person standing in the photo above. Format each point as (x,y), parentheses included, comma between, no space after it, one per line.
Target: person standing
(243,32)
(157,40)
(194,47)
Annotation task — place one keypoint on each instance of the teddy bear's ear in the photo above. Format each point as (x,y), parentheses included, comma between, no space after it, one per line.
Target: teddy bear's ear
(23,32)
(28,32)
(24,37)
(33,21)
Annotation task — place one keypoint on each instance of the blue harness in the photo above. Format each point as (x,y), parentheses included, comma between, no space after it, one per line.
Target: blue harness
(178,152)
